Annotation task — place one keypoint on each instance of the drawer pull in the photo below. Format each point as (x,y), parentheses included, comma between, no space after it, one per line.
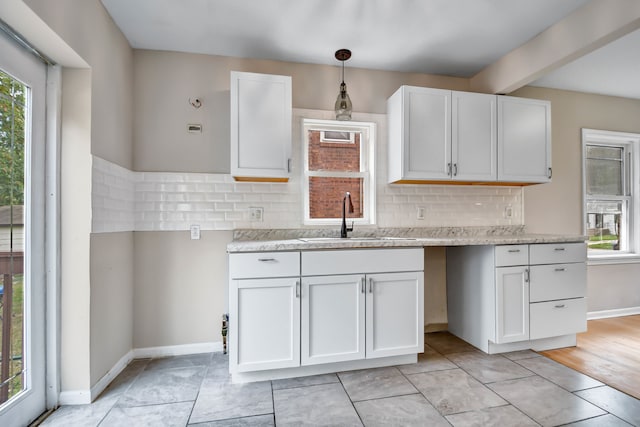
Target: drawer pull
(512,251)
(297,289)
(267,259)
(560,269)
(362,285)
(560,306)
(370,285)
(527,276)
(559,249)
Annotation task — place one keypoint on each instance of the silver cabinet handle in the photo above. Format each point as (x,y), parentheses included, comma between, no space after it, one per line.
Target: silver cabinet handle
(559,305)
(267,259)
(455,169)
(559,249)
(514,251)
(297,289)
(289,165)
(550,173)
(362,285)
(526,275)
(560,269)
(449,169)
(371,285)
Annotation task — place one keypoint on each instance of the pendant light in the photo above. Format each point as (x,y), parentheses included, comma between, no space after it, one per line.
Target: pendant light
(343,102)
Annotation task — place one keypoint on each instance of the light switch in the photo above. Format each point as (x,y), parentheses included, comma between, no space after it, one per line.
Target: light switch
(195,232)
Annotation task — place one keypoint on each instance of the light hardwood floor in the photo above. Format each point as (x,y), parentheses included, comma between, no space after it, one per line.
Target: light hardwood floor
(609,352)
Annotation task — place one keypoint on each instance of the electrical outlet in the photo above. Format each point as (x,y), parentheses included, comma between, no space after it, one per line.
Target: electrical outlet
(195,232)
(508,211)
(420,213)
(256,214)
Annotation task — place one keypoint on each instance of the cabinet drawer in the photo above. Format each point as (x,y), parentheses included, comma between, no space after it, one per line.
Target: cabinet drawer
(557,253)
(320,263)
(512,255)
(558,281)
(264,264)
(555,318)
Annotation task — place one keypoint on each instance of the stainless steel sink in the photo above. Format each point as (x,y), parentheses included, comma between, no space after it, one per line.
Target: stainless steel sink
(351,239)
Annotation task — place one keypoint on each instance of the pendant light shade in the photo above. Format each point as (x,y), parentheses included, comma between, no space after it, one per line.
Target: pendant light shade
(343,105)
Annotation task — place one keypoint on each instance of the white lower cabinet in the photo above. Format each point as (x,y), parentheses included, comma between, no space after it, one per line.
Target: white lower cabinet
(264,311)
(512,304)
(395,314)
(267,324)
(333,320)
(501,295)
(366,315)
(329,307)
(351,317)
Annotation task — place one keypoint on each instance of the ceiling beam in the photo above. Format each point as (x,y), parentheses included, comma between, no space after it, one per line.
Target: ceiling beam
(590,27)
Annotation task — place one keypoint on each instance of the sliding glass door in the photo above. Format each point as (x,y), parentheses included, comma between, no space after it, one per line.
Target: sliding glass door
(22,276)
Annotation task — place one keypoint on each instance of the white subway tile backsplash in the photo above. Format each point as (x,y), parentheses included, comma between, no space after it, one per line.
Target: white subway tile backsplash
(123,200)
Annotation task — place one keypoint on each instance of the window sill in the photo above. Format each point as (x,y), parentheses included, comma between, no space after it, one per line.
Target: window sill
(614,259)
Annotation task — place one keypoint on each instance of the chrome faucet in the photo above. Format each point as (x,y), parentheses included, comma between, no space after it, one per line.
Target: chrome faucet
(344,230)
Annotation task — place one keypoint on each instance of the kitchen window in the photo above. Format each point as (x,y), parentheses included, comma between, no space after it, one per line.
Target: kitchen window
(610,162)
(338,158)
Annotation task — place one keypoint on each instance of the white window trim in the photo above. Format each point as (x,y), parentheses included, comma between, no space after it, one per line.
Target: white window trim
(324,138)
(367,158)
(632,143)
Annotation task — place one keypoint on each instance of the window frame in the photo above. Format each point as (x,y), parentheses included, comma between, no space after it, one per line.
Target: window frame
(630,144)
(367,166)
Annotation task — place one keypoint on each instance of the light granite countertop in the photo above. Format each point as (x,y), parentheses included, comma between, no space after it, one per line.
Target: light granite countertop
(294,239)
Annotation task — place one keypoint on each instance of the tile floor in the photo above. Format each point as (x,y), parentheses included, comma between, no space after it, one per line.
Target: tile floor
(452,384)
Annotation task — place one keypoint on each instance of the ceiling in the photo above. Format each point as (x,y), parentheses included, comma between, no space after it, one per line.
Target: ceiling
(446,37)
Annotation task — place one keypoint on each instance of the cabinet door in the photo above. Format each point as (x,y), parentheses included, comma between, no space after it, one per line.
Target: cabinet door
(427,137)
(473,137)
(524,140)
(260,125)
(395,314)
(333,319)
(264,324)
(512,304)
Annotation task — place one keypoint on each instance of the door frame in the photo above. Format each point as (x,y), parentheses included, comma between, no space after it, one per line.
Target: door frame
(43,195)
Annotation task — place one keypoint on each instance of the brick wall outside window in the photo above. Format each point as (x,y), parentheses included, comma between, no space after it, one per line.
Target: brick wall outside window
(326,193)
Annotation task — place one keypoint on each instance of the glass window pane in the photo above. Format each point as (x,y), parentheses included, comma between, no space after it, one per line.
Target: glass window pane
(12,155)
(604,177)
(333,155)
(600,152)
(327,193)
(607,225)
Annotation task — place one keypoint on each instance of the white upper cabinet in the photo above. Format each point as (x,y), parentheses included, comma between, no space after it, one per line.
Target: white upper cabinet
(419,121)
(440,135)
(260,126)
(524,140)
(473,137)
(445,136)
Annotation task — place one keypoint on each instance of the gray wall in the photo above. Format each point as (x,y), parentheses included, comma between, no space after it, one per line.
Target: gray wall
(557,207)
(97,119)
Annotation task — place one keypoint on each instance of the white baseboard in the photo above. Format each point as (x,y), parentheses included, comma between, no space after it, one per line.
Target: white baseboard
(75,397)
(604,314)
(111,375)
(176,350)
(84,397)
